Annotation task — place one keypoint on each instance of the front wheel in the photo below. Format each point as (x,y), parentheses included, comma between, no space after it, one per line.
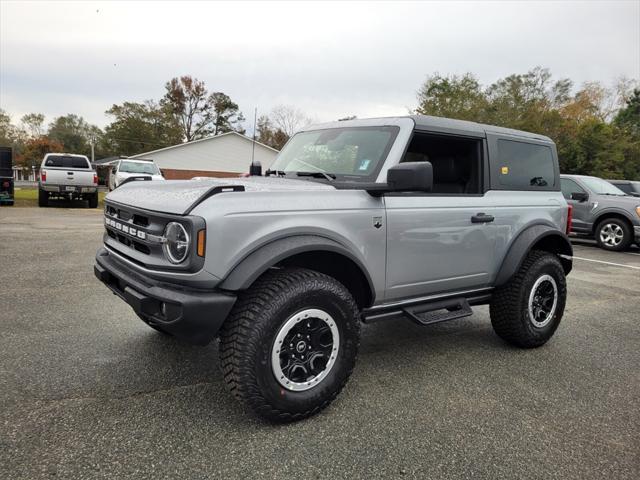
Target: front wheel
(290,343)
(527,310)
(614,234)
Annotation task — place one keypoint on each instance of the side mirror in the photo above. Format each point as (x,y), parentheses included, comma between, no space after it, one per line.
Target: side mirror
(410,177)
(579,196)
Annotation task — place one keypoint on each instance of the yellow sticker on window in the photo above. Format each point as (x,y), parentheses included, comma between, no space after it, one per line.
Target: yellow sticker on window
(505,170)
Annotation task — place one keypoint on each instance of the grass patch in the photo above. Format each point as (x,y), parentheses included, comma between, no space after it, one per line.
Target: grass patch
(28,197)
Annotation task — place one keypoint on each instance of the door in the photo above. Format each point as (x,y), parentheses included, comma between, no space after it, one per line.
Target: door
(581,207)
(440,241)
(433,245)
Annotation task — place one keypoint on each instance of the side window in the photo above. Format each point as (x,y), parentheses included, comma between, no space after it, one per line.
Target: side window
(456,162)
(569,187)
(523,165)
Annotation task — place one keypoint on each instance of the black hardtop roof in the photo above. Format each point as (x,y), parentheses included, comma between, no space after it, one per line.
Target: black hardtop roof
(427,122)
(434,124)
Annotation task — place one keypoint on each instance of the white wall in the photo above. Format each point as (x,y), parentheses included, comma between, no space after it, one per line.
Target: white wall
(224,153)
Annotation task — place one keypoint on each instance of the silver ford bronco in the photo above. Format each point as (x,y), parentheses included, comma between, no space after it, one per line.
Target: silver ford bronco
(356,221)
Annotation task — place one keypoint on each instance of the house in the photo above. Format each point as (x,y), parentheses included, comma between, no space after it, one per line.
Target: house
(225,155)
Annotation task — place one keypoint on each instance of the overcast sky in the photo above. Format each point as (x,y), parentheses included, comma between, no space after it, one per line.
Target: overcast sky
(328,59)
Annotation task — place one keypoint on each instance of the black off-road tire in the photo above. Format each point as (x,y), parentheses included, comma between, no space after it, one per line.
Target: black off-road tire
(248,335)
(627,234)
(509,308)
(43,198)
(93,200)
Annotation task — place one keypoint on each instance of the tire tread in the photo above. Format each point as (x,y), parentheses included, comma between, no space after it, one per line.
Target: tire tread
(242,333)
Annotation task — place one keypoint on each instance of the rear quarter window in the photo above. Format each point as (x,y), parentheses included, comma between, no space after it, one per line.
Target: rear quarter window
(524,166)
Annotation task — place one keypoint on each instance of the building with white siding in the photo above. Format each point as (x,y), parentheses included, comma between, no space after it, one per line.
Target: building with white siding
(223,155)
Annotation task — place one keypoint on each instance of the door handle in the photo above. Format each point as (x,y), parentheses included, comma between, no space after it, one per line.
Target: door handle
(482,218)
(69,173)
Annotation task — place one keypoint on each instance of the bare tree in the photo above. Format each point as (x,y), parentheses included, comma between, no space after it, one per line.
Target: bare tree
(289,119)
(33,124)
(198,113)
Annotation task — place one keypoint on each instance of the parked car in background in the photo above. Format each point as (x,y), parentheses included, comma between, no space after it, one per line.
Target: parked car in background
(356,220)
(6,176)
(128,168)
(69,176)
(603,211)
(629,187)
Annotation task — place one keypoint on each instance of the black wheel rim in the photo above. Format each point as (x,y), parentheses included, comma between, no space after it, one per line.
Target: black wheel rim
(543,300)
(305,349)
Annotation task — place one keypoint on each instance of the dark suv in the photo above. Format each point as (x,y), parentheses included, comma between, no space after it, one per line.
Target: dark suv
(6,176)
(629,187)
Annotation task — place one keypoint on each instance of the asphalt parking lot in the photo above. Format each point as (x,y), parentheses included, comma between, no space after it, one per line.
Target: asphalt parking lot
(88,391)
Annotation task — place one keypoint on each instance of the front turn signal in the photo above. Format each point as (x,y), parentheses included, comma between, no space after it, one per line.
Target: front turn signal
(202,239)
(638,210)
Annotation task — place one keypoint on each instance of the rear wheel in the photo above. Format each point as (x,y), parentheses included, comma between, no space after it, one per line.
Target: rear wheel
(613,234)
(527,310)
(93,200)
(43,198)
(290,344)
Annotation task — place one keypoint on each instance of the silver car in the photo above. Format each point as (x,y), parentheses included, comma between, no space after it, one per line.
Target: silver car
(356,221)
(602,211)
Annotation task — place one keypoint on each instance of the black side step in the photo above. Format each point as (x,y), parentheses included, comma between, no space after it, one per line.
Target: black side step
(436,312)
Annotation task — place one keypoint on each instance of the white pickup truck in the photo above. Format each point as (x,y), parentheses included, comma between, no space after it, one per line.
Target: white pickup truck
(65,175)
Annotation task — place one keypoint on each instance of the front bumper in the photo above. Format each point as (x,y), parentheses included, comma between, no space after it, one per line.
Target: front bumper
(191,315)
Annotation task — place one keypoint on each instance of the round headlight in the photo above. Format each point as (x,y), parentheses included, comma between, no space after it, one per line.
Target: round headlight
(176,242)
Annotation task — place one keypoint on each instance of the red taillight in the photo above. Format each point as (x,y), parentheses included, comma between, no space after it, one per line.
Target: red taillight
(6,184)
(95,179)
(569,218)
(43,175)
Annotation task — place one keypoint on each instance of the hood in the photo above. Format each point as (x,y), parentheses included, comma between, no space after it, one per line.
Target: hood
(128,174)
(177,196)
(628,201)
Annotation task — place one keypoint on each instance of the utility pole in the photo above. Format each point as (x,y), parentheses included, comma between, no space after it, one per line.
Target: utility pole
(255,127)
(92,140)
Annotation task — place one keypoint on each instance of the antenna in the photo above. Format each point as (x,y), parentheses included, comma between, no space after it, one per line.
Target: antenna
(256,167)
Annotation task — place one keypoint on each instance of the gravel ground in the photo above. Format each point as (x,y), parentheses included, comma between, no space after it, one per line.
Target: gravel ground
(88,391)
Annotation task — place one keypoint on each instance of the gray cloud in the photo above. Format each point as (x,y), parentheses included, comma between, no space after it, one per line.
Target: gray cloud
(329,59)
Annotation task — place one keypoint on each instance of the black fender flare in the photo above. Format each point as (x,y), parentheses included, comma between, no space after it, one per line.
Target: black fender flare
(266,256)
(545,236)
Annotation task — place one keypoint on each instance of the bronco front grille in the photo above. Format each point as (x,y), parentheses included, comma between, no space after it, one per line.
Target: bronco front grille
(137,234)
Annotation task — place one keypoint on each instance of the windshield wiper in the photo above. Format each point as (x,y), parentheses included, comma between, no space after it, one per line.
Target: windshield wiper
(329,176)
(280,173)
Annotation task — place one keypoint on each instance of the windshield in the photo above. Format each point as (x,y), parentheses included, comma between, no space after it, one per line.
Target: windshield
(139,167)
(601,187)
(356,152)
